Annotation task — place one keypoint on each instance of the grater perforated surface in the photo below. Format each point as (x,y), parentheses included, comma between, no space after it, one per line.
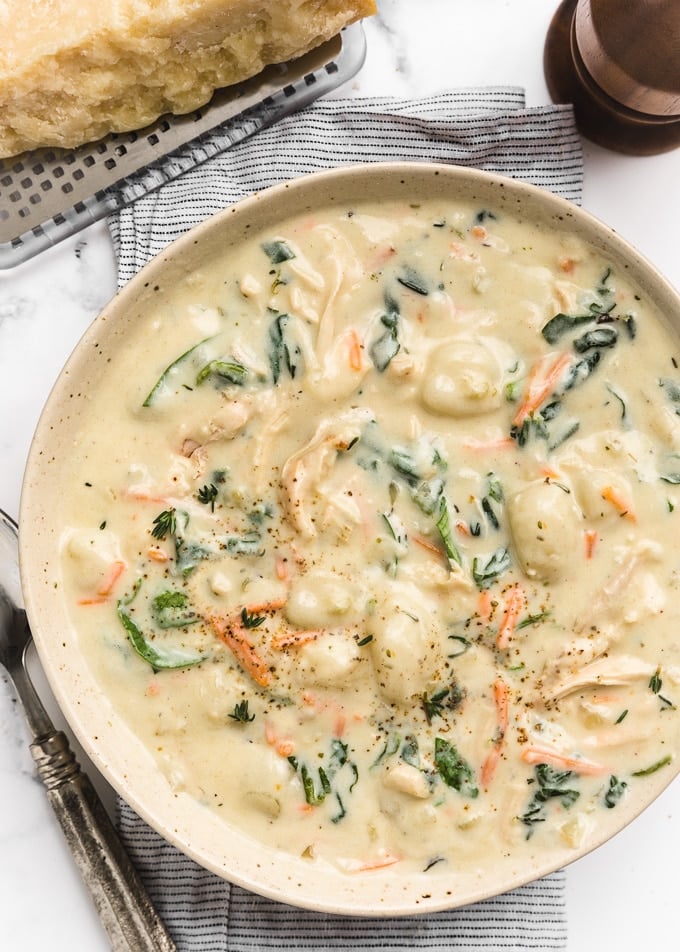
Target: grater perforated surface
(48,194)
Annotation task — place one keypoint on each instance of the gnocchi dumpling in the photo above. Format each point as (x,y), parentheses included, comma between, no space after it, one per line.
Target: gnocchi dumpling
(546,524)
(320,600)
(404,647)
(328,660)
(94,555)
(463,377)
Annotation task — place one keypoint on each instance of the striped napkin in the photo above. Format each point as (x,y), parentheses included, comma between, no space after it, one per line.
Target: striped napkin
(488,128)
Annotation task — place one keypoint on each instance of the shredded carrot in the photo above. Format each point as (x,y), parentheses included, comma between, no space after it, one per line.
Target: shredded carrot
(157,555)
(484,605)
(389,859)
(144,495)
(235,638)
(619,502)
(591,541)
(294,639)
(340,724)
(281,569)
(109,582)
(153,689)
(95,600)
(543,378)
(284,747)
(259,608)
(355,360)
(543,755)
(502,702)
(566,265)
(463,527)
(514,602)
(549,473)
(426,544)
(478,231)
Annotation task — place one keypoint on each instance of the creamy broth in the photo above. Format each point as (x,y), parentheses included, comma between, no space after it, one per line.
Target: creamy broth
(371,537)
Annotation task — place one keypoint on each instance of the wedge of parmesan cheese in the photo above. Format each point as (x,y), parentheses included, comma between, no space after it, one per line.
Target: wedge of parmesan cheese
(72,71)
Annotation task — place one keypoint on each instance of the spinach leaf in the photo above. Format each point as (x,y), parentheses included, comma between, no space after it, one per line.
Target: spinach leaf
(454,770)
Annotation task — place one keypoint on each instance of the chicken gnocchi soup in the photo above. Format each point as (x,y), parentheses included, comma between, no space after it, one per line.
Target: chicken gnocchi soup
(371,537)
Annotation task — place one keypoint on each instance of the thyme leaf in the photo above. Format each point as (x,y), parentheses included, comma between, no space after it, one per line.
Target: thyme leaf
(164,524)
(241,713)
(207,495)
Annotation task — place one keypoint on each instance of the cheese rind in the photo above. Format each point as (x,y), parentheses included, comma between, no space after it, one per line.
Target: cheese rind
(72,71)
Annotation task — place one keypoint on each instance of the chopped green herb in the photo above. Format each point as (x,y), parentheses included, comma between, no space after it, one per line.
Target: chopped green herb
(171,609)
(532,620)
(189,554)
(160,658)
(277,251)
(444,525)
(250,619)
(464,645)
(390,748)
(434,706)
(563,323)
(207,495)
(414,281)
(598,337)
(250,543)
(163,379)
(227,370)
(614,792)
(164,524)
(647,771)
(241,713)
(365,641)
(551,785)
(410,753)
(486,571)
(454,769)
(284,353)
(622,716)
(384,348)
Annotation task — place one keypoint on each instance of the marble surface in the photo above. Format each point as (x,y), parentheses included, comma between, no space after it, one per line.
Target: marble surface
(623,896)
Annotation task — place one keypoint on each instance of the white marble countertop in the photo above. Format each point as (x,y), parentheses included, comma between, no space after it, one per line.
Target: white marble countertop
(623,896)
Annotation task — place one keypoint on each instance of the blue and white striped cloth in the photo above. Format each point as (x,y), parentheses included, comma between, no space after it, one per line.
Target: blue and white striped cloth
(487,128)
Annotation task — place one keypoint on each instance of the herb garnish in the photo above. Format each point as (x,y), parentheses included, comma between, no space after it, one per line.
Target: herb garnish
(615,791)
(241,713)
(449,697)
(655,685)
(171,609)
(454,770)
(207,495)
(414,281)
(647,771)
(551,785)
(228,370)
(160,658)
(250,619)
(277,251)
(486,571)
(164,524)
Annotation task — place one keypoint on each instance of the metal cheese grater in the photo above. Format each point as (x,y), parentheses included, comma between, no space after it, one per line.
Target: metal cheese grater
(48,194)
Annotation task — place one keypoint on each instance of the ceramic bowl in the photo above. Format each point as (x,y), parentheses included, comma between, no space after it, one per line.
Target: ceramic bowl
(113,748)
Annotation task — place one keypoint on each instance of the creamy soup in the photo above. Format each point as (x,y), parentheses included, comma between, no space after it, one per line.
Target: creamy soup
(371,537)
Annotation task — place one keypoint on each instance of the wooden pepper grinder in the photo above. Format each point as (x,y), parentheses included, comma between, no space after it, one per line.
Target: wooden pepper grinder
(618,63)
